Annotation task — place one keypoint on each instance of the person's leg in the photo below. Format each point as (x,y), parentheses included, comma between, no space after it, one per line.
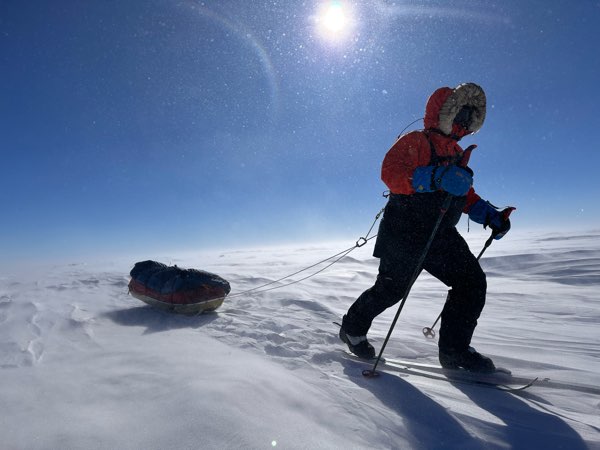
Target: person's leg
(453,263)
(392,280)
(388,289)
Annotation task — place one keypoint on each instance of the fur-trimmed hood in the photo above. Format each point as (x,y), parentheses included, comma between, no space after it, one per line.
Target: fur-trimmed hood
(445,103)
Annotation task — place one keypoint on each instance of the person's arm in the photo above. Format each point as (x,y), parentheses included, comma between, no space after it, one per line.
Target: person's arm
(485,213)
(409,152)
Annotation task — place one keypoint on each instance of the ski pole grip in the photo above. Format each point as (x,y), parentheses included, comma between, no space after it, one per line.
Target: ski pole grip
(464,162)
(506,212)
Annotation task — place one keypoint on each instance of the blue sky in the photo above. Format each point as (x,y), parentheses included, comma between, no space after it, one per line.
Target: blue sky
(172,125)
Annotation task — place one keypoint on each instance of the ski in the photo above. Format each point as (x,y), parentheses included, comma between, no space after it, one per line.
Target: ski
(501,379)
(501,375)
(500,371)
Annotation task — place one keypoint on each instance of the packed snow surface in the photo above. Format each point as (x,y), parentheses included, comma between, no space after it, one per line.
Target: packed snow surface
(85,365)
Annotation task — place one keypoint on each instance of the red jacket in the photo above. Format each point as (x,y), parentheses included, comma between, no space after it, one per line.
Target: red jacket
(413,150)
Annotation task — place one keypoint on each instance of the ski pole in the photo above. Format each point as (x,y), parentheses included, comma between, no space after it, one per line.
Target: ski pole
(370,373)
(428,331)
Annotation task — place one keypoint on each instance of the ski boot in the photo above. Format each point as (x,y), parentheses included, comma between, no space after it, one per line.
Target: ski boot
(359,345)
(469,360)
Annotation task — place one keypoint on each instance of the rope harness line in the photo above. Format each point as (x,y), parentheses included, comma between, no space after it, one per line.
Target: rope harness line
(359,243)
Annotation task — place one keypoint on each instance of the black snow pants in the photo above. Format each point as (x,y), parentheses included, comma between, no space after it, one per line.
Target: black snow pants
(449,260)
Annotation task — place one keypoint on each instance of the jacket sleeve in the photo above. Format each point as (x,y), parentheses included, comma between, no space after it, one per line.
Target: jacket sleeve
(409,152)
(472,198)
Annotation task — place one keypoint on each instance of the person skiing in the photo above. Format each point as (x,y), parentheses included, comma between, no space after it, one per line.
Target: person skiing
(421,170)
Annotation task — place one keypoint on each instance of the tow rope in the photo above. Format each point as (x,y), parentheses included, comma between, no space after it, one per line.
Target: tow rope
(336,258)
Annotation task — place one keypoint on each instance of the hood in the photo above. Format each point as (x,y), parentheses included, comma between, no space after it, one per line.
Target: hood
(445,103)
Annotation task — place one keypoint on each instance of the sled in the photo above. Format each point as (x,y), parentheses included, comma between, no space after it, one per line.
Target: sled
(170,288)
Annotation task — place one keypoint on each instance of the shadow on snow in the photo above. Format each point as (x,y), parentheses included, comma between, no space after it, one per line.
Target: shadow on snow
(434,426)
(156,320)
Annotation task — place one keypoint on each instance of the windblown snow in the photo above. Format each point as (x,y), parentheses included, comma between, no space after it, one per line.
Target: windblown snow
(85,365)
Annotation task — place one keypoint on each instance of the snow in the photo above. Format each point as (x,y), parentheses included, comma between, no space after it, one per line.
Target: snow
(84,365)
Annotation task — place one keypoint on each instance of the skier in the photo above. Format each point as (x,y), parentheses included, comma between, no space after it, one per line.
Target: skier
(421,170)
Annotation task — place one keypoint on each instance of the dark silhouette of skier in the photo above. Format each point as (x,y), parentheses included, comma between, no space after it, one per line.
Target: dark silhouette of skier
(421,170)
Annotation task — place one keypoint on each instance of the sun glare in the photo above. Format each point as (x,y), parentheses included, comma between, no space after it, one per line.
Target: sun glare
(334,20)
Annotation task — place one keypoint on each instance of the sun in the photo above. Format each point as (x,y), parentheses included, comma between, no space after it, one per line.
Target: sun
(334,20)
